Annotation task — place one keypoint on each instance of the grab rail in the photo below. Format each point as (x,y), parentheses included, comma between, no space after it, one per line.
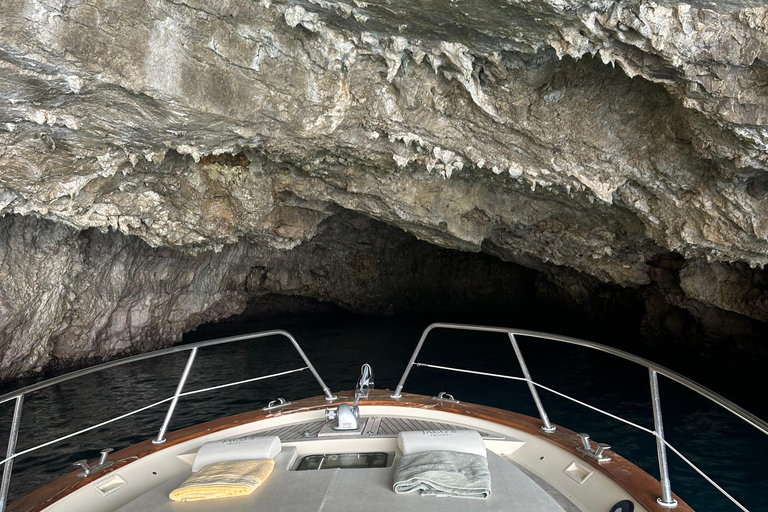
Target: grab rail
(18,395)
(666,500)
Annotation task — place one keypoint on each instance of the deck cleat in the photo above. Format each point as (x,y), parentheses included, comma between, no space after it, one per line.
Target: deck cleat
(598,453)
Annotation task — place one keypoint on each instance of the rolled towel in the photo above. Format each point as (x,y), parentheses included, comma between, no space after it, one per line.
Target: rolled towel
(239,448)
(466,441)
(443,473)
(224,479)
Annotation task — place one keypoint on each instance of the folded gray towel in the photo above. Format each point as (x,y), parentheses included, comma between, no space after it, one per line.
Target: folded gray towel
(443,473)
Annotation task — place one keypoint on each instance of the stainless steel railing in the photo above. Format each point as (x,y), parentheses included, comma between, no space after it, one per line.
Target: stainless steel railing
(19,395)
(654,370)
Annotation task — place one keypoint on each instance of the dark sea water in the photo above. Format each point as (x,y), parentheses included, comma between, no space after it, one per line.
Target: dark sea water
(730,451)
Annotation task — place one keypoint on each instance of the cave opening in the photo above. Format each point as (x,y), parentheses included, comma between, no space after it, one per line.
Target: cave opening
(355,268)
(360,271)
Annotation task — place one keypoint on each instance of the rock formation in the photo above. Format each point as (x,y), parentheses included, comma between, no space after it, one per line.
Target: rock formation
(609,141)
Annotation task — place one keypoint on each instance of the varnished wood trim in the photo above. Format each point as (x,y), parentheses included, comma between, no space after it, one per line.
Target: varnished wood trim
(638,484)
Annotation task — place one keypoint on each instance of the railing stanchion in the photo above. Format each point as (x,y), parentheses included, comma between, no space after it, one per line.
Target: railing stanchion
(666,499)
(14,436)
(399,389)
(546,425)
(328,394)
(160,439)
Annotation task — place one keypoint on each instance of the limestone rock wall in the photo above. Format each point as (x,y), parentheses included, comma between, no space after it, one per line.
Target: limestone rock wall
(67,296)
(594,136)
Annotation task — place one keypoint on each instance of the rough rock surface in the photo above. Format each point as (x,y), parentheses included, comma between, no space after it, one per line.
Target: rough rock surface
(67,295)
(600,136)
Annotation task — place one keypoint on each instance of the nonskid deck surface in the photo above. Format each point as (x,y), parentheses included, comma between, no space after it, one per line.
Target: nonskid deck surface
(356,489)
(513,489)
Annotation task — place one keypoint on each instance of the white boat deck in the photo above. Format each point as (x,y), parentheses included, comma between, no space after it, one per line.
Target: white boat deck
(534,466)
(357,489)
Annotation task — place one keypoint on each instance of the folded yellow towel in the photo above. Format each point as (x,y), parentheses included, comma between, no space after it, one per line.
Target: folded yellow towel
(224,479)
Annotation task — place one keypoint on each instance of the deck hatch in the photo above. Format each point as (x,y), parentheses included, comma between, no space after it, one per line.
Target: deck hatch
(344,461)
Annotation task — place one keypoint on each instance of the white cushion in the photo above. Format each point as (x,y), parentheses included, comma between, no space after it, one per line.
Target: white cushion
(466,441)
(240,448)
